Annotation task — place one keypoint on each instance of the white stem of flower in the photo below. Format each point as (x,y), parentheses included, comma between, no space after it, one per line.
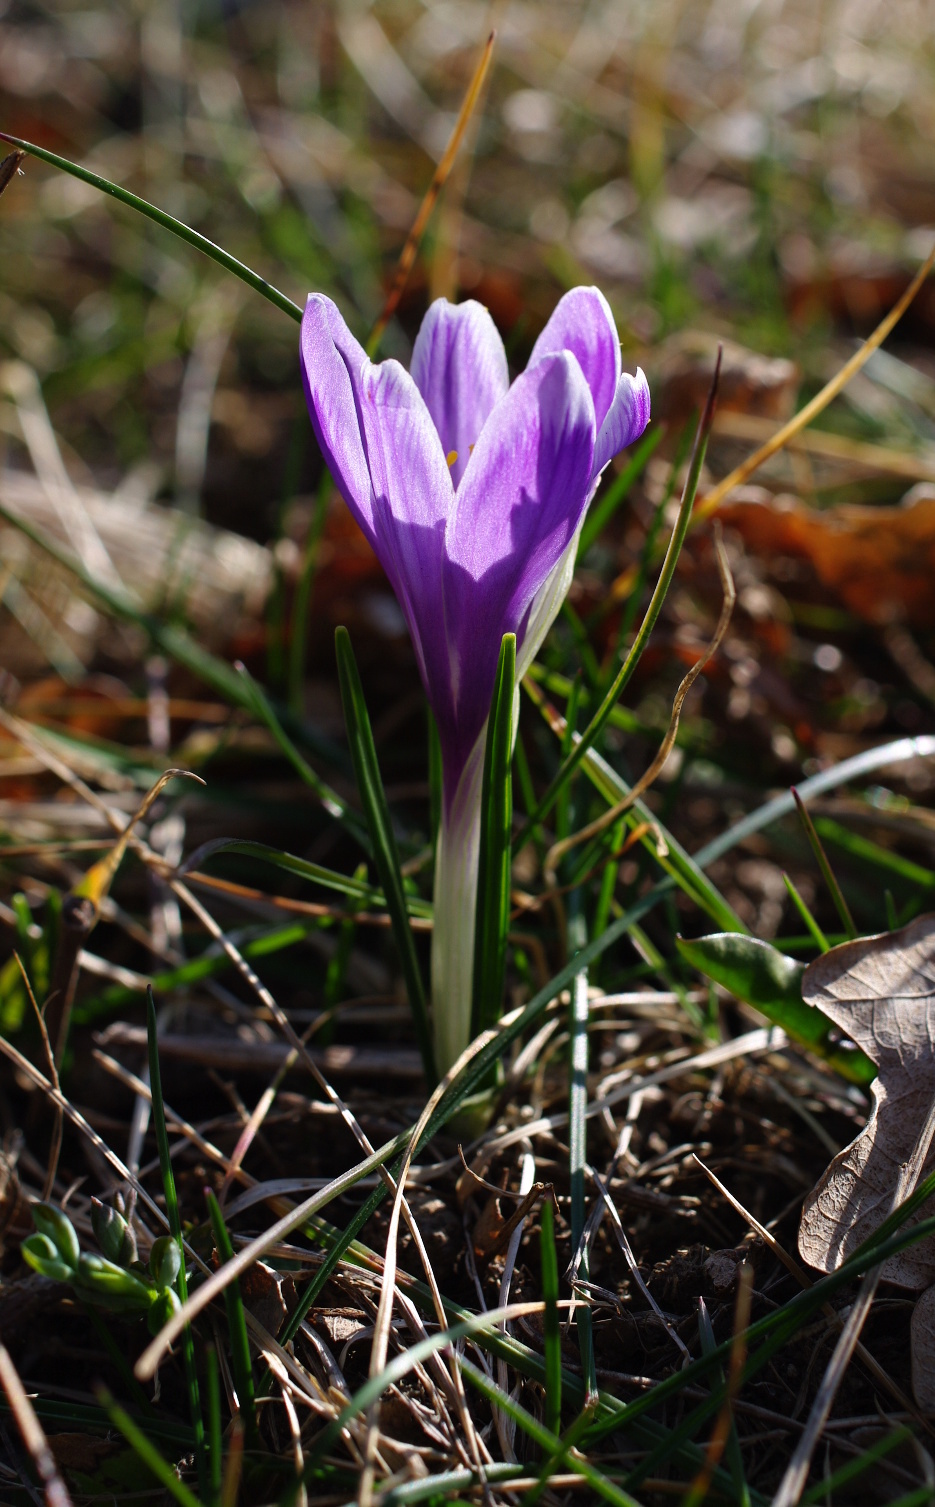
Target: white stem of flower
(455,904)
(458,851)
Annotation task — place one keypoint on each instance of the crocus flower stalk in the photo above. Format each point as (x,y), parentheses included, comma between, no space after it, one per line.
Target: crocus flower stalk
(472,493)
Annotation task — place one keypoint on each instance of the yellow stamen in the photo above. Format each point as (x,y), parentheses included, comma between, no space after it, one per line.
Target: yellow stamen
(451,457)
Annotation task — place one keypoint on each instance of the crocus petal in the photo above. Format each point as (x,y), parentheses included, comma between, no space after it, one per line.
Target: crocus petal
(377,436)
(583,324)
(628,417)
(459,366)
(412,496)
(522,498)
(332,361)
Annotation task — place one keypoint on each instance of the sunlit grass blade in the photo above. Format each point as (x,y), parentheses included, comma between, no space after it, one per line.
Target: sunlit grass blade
(811,924)
(600,515)
(827,873)
(165,221)
(175,1227)
(236,1324)
(799,421)
(147,1452)
(621,680)
(385,853)
(493,882)
(551,1333)
(633,581)
(578,1129)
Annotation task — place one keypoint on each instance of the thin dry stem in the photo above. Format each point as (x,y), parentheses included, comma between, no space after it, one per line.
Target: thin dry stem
(55,1149)
(56,1492)
(408,254)
(820,401)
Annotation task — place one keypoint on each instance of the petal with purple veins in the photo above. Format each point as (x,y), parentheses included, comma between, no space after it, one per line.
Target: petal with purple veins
(332,366)
(628,417)
(413,497)
(459,366)
(523,494)
(583,324)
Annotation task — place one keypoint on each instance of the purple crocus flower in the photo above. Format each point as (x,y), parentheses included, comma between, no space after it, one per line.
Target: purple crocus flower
(472,493)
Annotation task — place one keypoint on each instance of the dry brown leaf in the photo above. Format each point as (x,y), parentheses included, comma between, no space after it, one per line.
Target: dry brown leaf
(922,1337)
(881,992)
(879,560)
(749,382)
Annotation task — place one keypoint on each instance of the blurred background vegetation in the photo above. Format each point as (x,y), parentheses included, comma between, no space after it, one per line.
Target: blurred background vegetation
(755,172)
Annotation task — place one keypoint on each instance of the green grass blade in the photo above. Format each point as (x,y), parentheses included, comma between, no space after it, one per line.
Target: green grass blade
(469,1077)
(385,854)
(764,977)
(165,221)
(493,881)
(175,1227)
(814,929)
(402,1364)
(853,1469)
(776,1329)
(209,965)
(599,516)
(610,870)
(552,1338)
(236,1324)
(357,890)
(547,1441)
(914,875)
(732,1448)
(147,1452)
(685,870)
(827,873)
(599,720)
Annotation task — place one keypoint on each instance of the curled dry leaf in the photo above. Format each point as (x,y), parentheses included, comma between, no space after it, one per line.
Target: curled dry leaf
(881,992)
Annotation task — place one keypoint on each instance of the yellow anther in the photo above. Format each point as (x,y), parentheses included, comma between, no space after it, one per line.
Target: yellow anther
(451,457)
